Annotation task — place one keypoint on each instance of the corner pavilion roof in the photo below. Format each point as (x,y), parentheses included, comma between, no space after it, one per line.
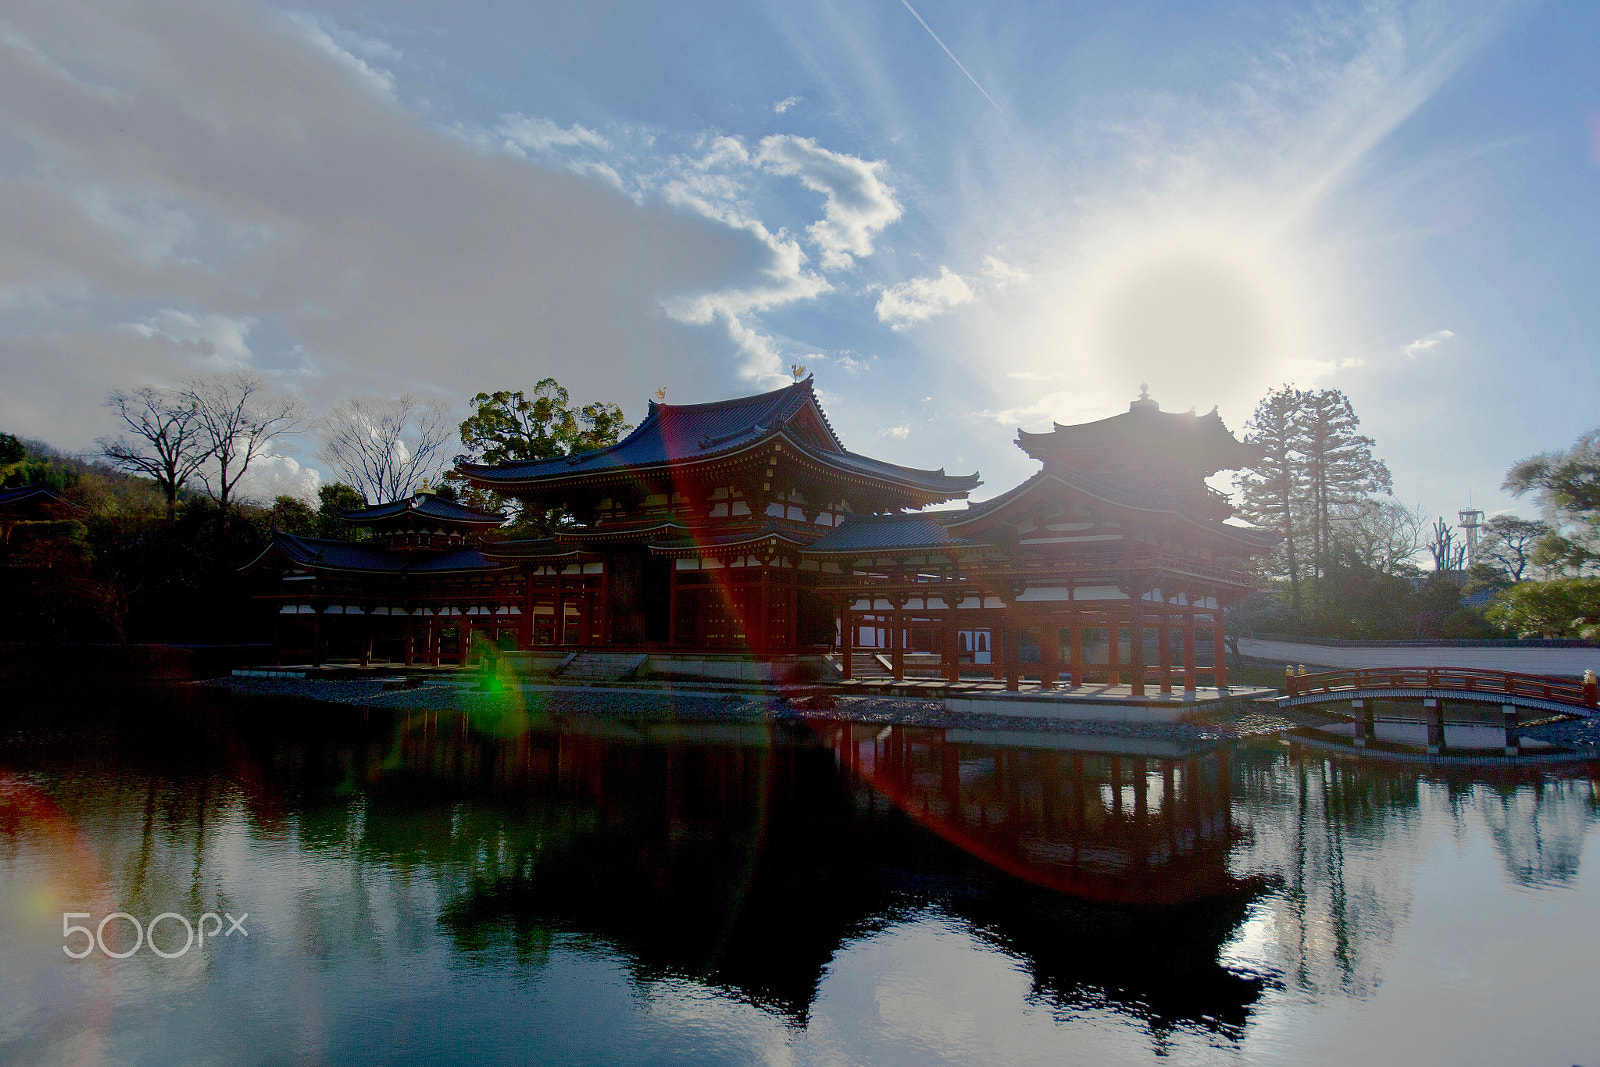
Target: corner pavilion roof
(679,434)
(423,505)
(35,495)
(933,530)
(1144,427)
(323,554)
(878,533)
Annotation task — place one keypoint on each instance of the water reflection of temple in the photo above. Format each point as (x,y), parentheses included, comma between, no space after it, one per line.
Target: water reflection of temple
(747,860)
(1111,819)
(751,858)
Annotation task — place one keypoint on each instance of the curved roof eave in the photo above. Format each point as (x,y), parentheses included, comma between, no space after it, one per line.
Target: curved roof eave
(990,508)
(910,479)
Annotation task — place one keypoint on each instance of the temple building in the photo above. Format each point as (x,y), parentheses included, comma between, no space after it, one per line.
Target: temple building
(745,527)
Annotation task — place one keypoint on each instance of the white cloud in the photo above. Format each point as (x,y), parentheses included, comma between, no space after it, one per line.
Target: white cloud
(273,188)
(522,134)
(275,475)
(220,341)
(1002,274)
(785,104)
(902,431)
(323,38)
(919,299)
(857,202)
(1422,344)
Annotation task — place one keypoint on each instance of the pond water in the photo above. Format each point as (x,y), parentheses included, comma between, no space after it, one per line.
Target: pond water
(426,888)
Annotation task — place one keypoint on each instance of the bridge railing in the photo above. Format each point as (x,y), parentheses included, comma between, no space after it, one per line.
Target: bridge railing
(1552,687)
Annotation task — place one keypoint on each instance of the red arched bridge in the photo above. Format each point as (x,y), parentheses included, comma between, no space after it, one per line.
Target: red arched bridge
(1433,688)
(1543,692)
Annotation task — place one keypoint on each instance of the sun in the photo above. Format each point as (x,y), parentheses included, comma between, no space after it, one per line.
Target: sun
(1201,312)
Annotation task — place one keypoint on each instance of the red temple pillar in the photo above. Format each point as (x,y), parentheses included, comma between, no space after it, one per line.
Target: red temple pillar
(1013,658)
(1219,638)
(897,642)
(791,612)
(1136,643)
(1164,645)
(847,637)
(1191,673)
(672,604)
(1049,652)
(561,608)
(1075,652)
(997,645)
(763,634)
(1114,646)
(950,649)
(410,640)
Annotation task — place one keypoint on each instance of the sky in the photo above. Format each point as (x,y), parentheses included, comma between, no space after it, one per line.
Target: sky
(963,219)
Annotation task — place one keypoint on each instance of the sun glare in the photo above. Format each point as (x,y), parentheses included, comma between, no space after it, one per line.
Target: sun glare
(1201,314)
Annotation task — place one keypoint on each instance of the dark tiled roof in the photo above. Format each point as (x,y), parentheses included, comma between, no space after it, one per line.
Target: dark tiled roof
(530,549)
(37,494)
(316,553)
(1147,426)
(1112,492)
(427,505)
(870,533)
(710,541)
(685,433)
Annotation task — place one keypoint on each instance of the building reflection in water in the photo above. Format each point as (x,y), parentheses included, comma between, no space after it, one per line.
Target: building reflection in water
(747,860)
(1173,885)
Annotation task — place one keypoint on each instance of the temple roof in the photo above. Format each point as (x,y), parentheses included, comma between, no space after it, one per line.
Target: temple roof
(1110,491)
(765,535)
(676,434)
(33,495)
(1145,428)
(870,533)
(423,505)
(317,553)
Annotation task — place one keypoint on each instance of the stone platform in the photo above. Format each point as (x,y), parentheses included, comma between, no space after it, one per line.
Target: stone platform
(1085,702)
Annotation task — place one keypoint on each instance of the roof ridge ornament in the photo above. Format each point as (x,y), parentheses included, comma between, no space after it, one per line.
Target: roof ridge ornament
(1144,403)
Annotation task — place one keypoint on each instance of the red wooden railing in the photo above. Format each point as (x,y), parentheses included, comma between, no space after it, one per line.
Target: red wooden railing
(1552,687)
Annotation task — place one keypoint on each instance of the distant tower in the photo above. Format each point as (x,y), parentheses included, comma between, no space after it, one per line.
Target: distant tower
(1471,521)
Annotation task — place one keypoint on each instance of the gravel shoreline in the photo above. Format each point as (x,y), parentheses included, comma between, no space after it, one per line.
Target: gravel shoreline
(687,705)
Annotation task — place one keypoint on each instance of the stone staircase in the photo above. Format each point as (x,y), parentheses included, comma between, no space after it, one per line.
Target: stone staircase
(868,666)
(600,666)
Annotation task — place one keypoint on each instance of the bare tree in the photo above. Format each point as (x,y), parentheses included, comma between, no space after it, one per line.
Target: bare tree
(1447,555)
(387,447)
(239,416)
(165,441)
(1384,534)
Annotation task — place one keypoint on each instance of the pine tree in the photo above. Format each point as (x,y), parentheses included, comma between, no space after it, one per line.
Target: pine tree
(1341,473)
(1274,491)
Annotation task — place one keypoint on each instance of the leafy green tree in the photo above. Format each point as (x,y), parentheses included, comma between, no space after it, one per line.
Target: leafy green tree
(507,427)
(510,427)
(1566,485)
(331,500)
(12,453)
(1560,607)
(293,515)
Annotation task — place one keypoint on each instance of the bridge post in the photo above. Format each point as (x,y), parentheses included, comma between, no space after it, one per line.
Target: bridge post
(1367,733)
(1435,725)
(1508,718)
